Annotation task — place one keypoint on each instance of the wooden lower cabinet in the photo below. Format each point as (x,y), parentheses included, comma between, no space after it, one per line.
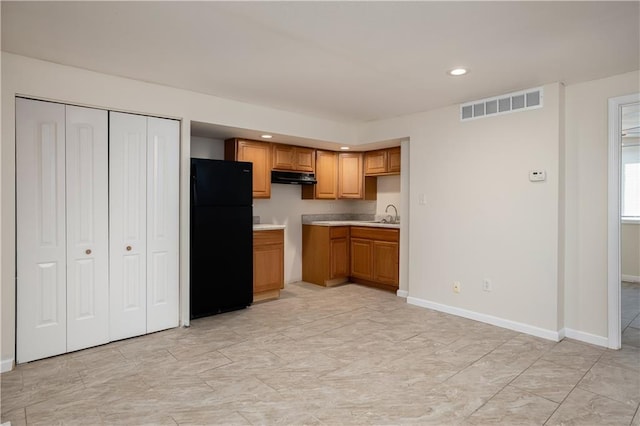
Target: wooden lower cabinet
(385,262)
(325,254)
(336,254)
(361,258)
(375,254)
(339,253)
(268,264)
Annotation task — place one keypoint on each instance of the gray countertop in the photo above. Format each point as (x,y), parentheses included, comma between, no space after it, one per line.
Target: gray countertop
(355,223)
(267,226)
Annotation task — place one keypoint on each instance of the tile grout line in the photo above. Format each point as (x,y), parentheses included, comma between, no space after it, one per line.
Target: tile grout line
(574,388)
(511,381)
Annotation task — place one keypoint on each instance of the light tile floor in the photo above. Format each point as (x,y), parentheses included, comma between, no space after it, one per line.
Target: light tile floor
(342,355)
(630,304)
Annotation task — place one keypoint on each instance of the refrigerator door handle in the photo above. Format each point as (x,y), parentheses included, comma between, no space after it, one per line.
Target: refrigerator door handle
(194,186)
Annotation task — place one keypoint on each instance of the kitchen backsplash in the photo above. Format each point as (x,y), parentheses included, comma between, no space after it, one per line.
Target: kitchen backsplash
(308,218)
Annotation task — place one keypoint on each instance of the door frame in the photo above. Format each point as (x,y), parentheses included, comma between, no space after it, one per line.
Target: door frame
(613,218)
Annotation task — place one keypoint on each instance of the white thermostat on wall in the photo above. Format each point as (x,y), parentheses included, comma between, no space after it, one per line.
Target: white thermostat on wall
(537,175)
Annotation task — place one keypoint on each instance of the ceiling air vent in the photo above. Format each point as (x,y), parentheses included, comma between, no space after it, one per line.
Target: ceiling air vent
(511,102)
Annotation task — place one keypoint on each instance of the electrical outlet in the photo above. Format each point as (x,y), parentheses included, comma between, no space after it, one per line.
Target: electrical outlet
(486,284)
(456,286)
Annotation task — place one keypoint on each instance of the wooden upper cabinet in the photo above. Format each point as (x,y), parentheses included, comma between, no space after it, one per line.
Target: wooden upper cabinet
(305,159)
(340,175)
(375,162)
(282,157)
(382,162)
(327,177)
(350,176)
(258,153)
(393,160)
(295,158)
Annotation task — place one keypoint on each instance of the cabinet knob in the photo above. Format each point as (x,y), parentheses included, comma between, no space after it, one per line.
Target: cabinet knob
(128,248)
(88,251)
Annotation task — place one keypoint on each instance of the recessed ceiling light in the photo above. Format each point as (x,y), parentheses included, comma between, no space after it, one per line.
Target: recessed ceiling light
(266,136)
(457,71)
(344,148)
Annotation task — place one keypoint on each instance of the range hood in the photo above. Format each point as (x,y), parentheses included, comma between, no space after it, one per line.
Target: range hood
(295,178)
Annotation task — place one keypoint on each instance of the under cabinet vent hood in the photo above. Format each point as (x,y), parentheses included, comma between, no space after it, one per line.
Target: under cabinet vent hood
(296,178)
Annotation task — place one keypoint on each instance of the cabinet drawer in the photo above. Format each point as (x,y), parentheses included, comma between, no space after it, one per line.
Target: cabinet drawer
(339,232)
(380,234)
(272,236)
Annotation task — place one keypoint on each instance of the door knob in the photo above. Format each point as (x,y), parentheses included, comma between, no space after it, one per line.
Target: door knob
(88,251)
(128,248)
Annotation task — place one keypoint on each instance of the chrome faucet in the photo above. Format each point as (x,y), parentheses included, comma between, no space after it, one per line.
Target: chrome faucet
(396,219)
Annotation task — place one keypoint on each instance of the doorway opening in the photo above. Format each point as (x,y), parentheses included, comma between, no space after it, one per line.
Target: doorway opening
(624,123)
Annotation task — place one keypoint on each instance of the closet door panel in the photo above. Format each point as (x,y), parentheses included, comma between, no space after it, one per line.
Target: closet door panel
(127,225)
(162,223)
(40,230)
(87,227)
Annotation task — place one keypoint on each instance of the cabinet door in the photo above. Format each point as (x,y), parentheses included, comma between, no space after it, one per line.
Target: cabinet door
(127,225)
(41,320)
(375,162)
(305,159)
(268,272)
(87,227)
(385,262)
(283,157)
(326,175)
(260,155)
(361,258)
(163,153)
(393,160)
(350,177)
(339,260)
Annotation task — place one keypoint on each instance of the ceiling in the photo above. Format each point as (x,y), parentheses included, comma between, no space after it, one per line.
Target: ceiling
(346,61)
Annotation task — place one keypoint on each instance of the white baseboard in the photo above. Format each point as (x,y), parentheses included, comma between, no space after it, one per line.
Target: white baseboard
(556,336)
(6,365)
(585,337)
(402,293)
(631,278)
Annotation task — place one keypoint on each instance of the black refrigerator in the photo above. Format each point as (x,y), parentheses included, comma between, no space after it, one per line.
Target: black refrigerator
(221,236)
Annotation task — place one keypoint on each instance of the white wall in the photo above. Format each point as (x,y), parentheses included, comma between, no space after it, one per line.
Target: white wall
(212,149)
(586,152)
(388,193)
(483,218)
(630,251)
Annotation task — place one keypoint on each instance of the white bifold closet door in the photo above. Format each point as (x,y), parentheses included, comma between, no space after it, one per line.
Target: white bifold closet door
(163,154)
(87,227)
(61,228)
(143,188)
